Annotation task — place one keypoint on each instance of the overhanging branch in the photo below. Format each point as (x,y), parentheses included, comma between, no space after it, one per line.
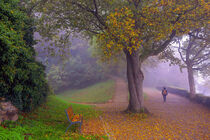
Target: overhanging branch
(161,47)
(93,12)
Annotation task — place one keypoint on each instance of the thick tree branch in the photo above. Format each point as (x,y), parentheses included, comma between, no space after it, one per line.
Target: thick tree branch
(161,47)
(93,12)
(180,53)
(189,50)
(96,8)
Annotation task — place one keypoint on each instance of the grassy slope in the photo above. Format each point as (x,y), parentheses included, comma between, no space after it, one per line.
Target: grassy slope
(98,93)
(47,122)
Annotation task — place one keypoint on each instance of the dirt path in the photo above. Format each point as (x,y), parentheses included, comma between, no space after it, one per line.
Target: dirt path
(119,101)
(178,118)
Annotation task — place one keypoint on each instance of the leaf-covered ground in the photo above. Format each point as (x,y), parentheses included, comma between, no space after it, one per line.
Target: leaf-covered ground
(178,118)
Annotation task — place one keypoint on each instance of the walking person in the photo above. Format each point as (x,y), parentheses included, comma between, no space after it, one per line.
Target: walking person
(164,93)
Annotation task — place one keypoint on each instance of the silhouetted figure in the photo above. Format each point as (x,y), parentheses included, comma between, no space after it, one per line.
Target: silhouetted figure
(164,93)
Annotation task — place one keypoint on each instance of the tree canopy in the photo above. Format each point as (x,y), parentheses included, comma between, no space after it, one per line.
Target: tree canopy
(149,24)
(139,28)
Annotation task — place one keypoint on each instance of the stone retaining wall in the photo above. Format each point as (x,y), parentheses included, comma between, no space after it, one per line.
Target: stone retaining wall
(199,98)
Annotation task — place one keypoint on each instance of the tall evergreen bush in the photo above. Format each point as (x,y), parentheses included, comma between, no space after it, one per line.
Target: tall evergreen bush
(22,78)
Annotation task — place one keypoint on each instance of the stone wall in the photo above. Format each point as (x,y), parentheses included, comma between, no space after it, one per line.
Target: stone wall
(177,91)
(7,111)
(199,98)
(202,99)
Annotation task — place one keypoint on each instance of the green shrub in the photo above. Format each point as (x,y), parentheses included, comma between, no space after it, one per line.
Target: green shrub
(22,79)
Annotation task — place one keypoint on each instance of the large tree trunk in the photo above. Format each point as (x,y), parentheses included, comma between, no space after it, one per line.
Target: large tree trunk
(191,81)
(135,82)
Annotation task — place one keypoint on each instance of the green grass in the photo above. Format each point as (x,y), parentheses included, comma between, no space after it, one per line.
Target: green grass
(98,93)
(48,122)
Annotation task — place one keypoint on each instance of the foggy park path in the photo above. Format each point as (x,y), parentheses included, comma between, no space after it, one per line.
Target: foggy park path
(119,102)
(178,118)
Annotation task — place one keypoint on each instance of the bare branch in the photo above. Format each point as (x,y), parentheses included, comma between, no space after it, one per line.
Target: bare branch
(197,37)
(202,68)
(199,52)
(202,59)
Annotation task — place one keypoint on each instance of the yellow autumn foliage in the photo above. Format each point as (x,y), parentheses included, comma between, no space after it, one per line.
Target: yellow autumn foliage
(133,29)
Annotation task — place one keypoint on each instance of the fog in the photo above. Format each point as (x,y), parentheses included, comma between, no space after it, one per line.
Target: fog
(162,74)
(156,72)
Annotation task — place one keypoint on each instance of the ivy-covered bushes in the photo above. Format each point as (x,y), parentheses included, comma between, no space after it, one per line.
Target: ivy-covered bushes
(22,79)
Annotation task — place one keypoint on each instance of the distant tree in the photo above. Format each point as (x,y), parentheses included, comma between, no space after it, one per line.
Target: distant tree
(195,53)
(75,73)
(138,28)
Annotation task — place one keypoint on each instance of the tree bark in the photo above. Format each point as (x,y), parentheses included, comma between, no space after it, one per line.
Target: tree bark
(191,81)
(135,82)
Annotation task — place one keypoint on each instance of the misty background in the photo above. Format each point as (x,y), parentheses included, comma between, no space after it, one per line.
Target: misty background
(81,67)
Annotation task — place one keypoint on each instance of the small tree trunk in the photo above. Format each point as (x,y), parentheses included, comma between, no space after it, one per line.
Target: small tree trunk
(135,82)
(191,81)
